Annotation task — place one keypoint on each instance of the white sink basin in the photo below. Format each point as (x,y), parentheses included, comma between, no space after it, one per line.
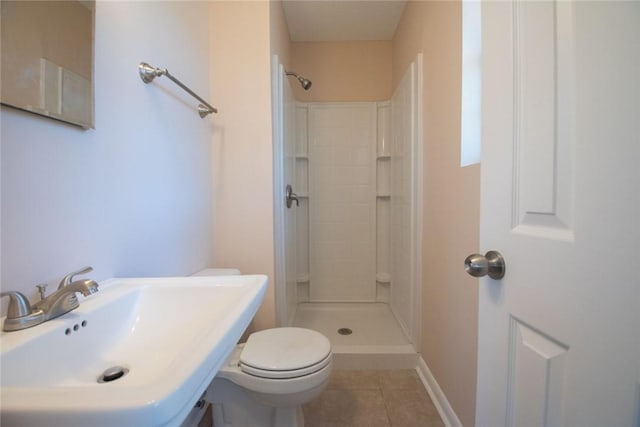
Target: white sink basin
(173,334)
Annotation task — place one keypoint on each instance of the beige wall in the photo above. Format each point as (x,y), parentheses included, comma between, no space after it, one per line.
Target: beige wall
(280,40)
(242,143)
(451,194)
(343,71)
(242,148)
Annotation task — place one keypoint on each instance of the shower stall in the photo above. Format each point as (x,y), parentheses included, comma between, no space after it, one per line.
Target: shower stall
(348,245)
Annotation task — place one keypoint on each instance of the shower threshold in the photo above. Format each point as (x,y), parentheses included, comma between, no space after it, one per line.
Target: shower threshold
(375,341)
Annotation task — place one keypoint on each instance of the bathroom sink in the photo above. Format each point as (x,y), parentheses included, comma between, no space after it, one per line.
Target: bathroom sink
(170,336)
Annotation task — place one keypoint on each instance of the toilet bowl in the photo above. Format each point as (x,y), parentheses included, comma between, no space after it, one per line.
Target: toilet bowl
(265,381)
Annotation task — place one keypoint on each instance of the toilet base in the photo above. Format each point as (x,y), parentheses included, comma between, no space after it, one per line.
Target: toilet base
(232,407)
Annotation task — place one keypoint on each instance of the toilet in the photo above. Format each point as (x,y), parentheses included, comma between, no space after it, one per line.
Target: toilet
(265,381)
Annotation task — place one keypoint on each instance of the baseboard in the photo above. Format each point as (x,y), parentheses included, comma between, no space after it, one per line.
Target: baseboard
(440,401)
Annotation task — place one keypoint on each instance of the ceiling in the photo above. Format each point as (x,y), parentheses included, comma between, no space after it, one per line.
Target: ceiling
(329,20)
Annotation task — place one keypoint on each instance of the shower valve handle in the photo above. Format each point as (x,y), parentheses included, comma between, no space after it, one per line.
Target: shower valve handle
(290,196)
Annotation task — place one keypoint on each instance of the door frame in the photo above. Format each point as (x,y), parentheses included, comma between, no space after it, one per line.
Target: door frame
(279,227)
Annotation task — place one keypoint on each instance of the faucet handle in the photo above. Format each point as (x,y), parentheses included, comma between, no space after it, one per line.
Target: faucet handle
(42,288)
(19,305)
(69,277)
(20,314)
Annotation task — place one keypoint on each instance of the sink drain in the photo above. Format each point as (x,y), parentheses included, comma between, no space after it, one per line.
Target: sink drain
(112,374)
(345,331)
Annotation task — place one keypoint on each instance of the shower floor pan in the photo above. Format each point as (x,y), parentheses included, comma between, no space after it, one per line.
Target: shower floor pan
(376,340)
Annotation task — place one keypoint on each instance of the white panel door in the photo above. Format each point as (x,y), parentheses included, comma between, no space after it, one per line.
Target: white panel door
(342,201)
(559,336)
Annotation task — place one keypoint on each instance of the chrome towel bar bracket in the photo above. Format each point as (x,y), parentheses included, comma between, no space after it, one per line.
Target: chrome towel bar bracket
(149,72)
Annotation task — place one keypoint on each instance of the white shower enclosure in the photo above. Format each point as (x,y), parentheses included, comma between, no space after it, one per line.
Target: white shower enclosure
(340,150)
(354,236)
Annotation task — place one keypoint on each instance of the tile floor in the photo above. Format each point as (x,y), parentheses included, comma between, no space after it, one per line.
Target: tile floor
(373,398)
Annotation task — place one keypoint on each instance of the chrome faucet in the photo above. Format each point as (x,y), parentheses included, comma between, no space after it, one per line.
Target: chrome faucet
(22,315)
(68,279)
(64,299)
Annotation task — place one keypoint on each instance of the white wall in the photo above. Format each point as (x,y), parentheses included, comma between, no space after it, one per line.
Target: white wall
(133,196)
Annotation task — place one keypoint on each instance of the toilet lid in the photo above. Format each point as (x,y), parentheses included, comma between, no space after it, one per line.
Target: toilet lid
(285,352)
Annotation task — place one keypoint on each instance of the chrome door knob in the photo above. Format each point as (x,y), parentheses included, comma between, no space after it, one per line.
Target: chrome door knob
(491,263)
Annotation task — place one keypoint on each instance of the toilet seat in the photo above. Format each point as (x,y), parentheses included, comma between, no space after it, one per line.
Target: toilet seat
(285,374)
(282,353)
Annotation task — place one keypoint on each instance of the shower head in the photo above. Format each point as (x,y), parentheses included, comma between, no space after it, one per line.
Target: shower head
(306,84)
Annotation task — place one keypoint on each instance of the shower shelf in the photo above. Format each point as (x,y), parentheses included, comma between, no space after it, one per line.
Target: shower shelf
(302,156)
(302,279)
(383,204)
(383,278)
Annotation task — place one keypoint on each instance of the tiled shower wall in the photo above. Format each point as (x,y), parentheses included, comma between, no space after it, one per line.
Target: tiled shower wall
(404,182)
(342,183)
(343,224)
